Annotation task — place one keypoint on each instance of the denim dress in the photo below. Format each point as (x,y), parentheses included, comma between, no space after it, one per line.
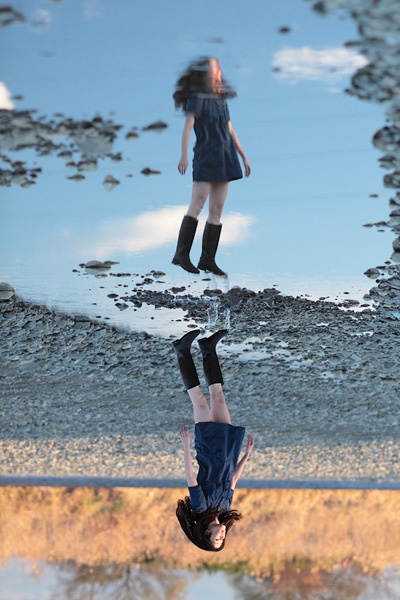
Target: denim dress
(215,156)
(218,447)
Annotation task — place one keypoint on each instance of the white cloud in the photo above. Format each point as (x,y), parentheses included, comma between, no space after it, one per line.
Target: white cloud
(5,98)
(153,229)
(42,18)
(330,64)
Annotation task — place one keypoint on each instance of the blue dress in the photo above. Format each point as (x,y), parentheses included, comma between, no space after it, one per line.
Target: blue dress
(215,156)
(218,447)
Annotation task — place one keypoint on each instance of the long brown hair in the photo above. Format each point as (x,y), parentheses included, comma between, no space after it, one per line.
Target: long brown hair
(195,81)
(195,525)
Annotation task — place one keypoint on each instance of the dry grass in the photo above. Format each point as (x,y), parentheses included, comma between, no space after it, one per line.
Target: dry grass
(87,526)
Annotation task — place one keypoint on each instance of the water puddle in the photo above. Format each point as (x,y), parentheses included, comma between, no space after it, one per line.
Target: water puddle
(92,175)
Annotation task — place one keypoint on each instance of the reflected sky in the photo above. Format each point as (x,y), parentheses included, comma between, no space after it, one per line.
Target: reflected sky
(297,222)
(123,544)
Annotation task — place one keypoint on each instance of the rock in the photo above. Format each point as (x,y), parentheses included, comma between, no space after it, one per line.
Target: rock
(77,177)
(156,126)
(6,291)
(9,16)
(110,183)
(372,273)
(147,171)
(97,264)
(132,135)
(87,164)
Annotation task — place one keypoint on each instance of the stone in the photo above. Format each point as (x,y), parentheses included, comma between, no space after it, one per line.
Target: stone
(156,126)
(6,291)
(110,183)
(147,171)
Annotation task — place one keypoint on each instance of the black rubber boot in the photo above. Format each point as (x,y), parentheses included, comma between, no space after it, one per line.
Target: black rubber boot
(212,369)
(209,248)
(184,245)
(185,360)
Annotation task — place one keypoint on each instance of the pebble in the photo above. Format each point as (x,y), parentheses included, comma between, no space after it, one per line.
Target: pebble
(318,388)
(6,291)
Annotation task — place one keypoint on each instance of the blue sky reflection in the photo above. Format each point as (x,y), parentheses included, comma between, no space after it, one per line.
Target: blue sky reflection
(297,222)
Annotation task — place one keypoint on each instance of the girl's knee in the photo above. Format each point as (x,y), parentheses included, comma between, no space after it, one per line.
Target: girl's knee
(217,396)
(196,206)
(214,217)
(197,397)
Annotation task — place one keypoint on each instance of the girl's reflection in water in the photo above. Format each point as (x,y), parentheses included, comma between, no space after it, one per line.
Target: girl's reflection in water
(205,515)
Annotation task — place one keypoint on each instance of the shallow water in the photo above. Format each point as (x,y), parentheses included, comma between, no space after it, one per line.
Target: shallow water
(296,222)
(22,580)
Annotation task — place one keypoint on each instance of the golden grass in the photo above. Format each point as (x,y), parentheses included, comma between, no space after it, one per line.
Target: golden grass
(88,526)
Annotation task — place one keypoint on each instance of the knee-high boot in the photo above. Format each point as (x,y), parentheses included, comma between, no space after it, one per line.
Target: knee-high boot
(211,366)
(209,248)
(184,245)
(185,360)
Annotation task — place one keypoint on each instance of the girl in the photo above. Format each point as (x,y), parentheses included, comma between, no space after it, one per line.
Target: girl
(201,92)
(205,515)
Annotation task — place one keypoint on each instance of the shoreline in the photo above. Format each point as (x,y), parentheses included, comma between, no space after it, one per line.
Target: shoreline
(243,484)
(318,389)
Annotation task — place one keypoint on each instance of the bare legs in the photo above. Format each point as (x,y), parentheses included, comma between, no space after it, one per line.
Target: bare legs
(216,202)
(218,413)
(212,371)
(218,410)
(216,192)
(201,410)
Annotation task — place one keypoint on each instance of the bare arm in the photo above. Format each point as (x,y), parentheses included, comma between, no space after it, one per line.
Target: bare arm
(187,129)
(247,168)
(243,461)
(190,475)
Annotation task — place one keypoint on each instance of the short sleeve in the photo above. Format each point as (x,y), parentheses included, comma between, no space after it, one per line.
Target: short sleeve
(197,499)
(193,106)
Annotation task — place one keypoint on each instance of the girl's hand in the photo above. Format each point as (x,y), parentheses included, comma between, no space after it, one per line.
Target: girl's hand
(185,436)
(247,168)
(250,445)
(182,165)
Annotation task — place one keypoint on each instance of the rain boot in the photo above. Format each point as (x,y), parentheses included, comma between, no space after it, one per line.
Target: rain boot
(185,360)
(211,237)
(184,245)
(212,369)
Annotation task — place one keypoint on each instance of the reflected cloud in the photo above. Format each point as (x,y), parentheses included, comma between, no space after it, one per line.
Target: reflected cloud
(42,18)
(329,64)
(153,229)
(6,102)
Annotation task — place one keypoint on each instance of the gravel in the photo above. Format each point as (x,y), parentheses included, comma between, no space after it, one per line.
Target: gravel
(316,385)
